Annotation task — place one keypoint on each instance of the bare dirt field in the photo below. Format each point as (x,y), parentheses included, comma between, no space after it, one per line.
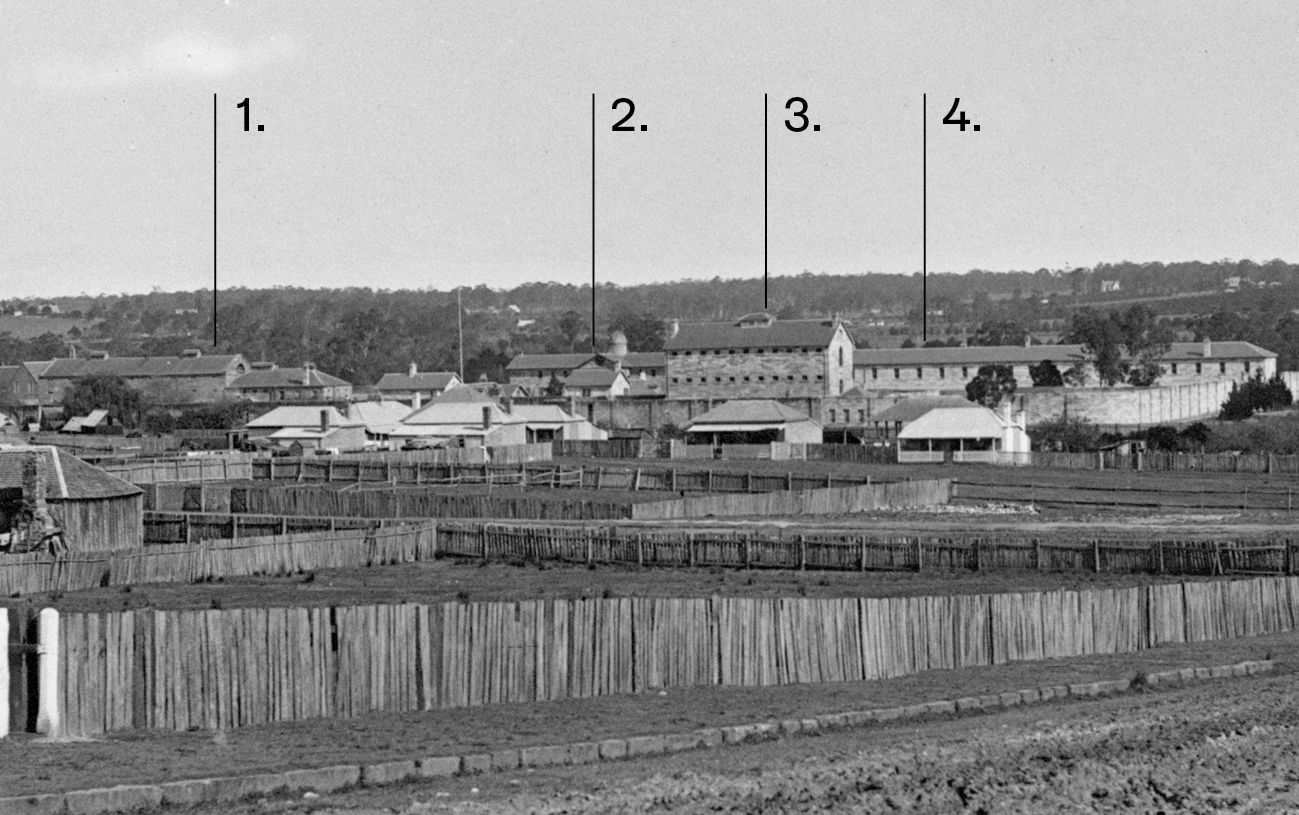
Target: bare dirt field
(791,775)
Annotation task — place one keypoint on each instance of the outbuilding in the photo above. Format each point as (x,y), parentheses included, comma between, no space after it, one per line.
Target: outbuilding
(753,421)
(972,433)
(94,510)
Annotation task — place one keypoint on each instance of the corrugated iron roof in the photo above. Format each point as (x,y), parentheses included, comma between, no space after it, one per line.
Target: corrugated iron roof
(747,333)
(592,378)
(751,411)
(969,422)
(301,416)
(431,381)
(908,410)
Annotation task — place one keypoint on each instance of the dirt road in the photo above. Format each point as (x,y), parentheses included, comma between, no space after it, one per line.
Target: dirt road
(1222,747)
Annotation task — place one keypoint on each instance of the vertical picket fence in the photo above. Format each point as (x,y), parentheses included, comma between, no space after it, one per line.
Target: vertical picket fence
(231,668)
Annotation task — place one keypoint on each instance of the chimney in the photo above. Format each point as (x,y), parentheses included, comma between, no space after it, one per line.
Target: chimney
(1206,348)
(643,377)
(1028,340)
(676,328)
(487,417)
(306,374)
(417,400)
(34,479)
(324,420)
(412,370)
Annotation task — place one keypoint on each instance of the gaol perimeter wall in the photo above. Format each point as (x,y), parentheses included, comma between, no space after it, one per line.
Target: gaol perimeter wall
(229,668)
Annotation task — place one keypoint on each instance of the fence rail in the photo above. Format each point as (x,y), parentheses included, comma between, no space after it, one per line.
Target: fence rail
(180,670)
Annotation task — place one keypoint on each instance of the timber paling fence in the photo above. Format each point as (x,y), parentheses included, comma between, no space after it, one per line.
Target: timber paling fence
(747,548)
(429,502)
(211,559)
(630,479)
(1191,496)
(181,670)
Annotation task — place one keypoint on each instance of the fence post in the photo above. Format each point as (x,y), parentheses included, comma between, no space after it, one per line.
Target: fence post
(1159,543)
(1289,556)
(789,481)
(1217,558)
(284,526)
(748,549)
(1037,554)
(482,541)
(184,519)
(802,552)
(635,484)
(862,554)
(672,472)
(920,554)
(640,549)
(1096,554)
(599,476)
(690,546)
(590,547)
(234,528)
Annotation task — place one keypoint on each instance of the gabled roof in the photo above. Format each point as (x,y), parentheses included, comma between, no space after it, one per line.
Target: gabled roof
(547,414)
(969,422)
(1062,355)
(751,411)
(10,373)
(136,367)
(286,378)
(549,362)
(908,410)
(301,416)
(753,331)
(593,378)
(431,381)
(66,476)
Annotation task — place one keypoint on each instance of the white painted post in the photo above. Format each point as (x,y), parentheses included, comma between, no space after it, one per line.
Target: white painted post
(4,672)
(47,666)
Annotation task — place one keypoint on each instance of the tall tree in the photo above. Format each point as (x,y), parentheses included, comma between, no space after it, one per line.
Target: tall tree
(992,385)
(1146,341)
(111,393)
(1102,340)
(1046,375)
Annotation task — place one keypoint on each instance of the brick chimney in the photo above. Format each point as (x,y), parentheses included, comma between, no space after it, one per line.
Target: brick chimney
(306,374)
(1206,348)
(34,484)
(487,417)
(324,420)
(412,369)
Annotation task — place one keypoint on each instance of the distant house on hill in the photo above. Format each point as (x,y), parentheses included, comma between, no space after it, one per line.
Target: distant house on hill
(267,382)
(415,387)
(191,378)
(96,511)
(753,421)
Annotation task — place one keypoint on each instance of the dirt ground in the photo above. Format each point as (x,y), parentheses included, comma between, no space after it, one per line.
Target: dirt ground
(30,765)
(470,581)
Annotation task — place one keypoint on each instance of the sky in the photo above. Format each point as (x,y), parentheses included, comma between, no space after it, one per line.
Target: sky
(433,144)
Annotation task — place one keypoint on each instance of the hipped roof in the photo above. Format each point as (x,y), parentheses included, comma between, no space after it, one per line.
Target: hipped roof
(1062,355)
(135,367)
(66,476)
(970,422)
(748,333)
(751,411)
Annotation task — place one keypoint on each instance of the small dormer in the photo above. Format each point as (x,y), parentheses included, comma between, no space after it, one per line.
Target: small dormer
(263,366)
(191,353)
(760,319)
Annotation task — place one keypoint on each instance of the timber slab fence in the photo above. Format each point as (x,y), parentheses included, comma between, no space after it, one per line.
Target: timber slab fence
(211,559)
(180,670)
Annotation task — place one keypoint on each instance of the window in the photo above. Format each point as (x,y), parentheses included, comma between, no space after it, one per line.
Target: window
(746,379)
(674,353)
(1222,367)
(845,415)
(1199,368)
(676,380)
(804,377)
(689,380)
(897,373)
(730,351)
(819,377)
(942,372)
(841,355)
(831,415)
(861,416)
(965,372)
(1174,369)
(1247,366)
(732,379)
(757,352)
(762,378)
(717,379)
(920,373)
(875,373)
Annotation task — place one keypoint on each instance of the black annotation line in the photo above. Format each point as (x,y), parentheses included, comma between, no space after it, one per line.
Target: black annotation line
(593,222)
(765,187)
(214,221)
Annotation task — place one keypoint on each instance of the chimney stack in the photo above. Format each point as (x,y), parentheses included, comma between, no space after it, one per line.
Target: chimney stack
(417,401)
(487,417)
(1028,340)
(324,420)
(412,370)
(1206,348)
(306,374)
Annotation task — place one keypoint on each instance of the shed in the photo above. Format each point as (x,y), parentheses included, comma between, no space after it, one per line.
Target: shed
(753,421)
(96,511)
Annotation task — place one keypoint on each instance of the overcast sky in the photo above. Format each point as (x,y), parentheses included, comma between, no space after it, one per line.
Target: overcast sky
(425,144)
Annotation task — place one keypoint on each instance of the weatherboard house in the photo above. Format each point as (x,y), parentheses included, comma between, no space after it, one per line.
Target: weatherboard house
(972,433)
(753,421)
